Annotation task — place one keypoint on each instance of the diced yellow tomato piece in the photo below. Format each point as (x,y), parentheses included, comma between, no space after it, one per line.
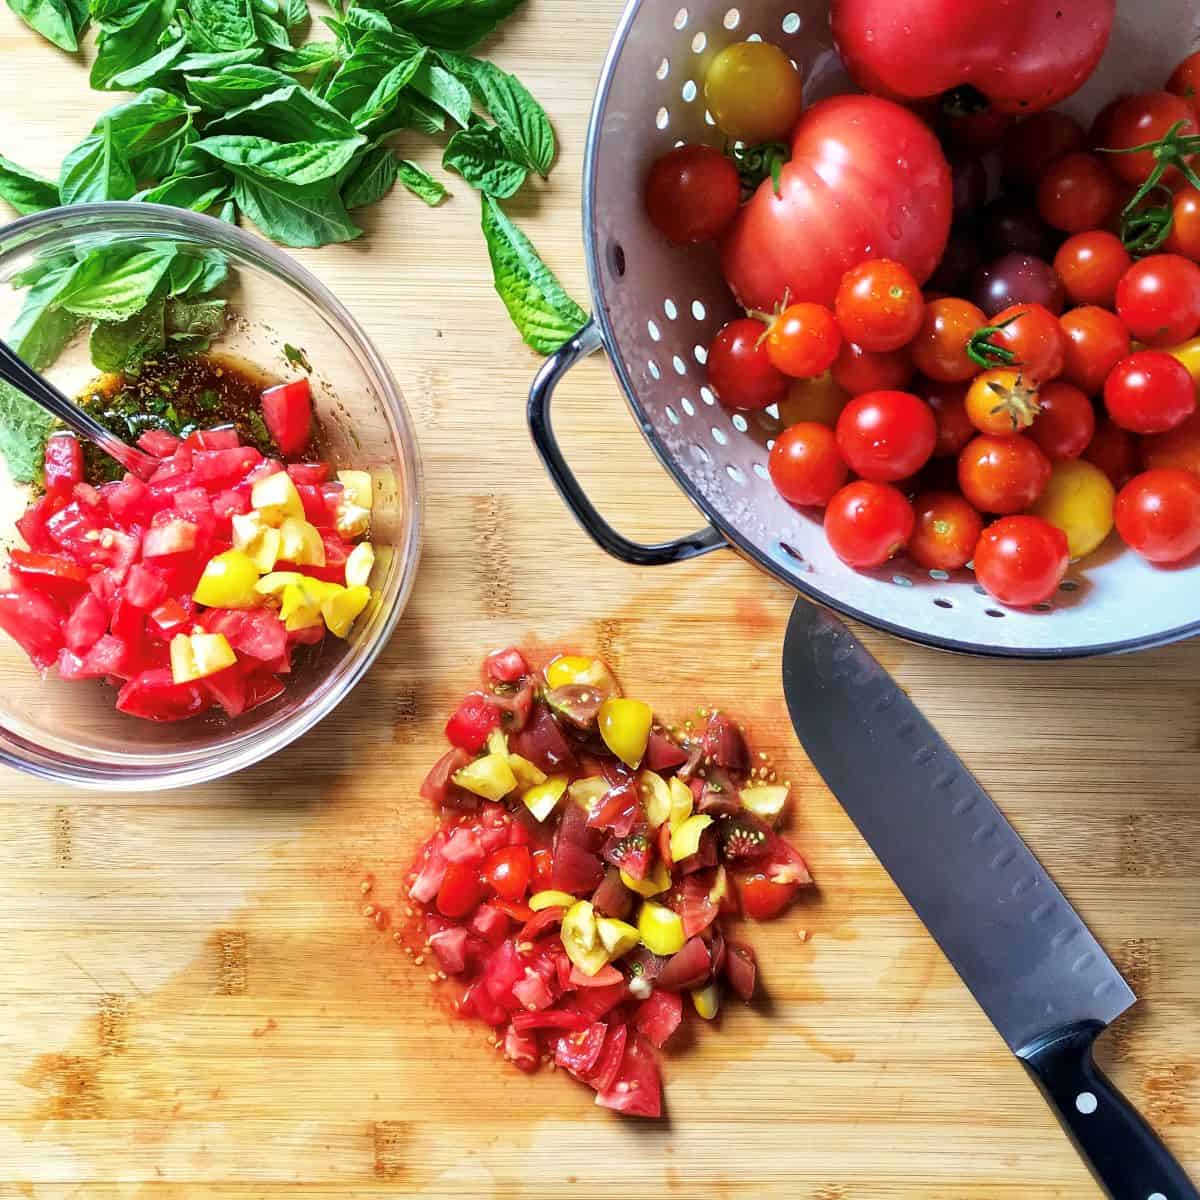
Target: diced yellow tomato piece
(542,799)
(576,669)
(581,938)
(551,899)
(617,937)
(656,798)
(659,880)
(301,543)
(342,607)
(528,775)
(587,791)
(720,888)
(359,565)
(765,800)
(266,550)
(274,583)
(351,520)
(685,838)
(490,777)
(707,1000)
(228,581)
(625,728)
(299,608)
(246,528)
(682,802)
(497,743)
(198,655)
(275,497)
(661,929)
(359,489)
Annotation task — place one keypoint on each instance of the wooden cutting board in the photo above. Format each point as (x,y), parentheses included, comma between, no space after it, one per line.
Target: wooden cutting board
(192,1005)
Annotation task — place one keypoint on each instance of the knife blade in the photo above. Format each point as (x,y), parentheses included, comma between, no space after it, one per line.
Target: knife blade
(1007,929)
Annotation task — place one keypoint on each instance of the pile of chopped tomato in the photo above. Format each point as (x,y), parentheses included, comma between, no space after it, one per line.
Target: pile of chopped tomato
(191,590)
(587,867)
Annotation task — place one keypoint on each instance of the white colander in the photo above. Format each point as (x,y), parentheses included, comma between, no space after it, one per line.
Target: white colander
(656,308)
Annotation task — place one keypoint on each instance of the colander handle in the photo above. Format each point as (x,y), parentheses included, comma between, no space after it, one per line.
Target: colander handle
(587,341)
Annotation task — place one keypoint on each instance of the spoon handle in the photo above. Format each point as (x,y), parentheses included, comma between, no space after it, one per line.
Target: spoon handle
(15,371)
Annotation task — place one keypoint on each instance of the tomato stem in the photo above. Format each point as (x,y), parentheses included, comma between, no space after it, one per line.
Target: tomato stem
(1144,230)
(756,163)
(1173,149)
(985,353)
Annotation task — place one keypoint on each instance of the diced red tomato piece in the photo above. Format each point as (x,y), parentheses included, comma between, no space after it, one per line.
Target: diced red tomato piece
(506,666)
(533,992)
(491,922)
(520,913)
(145,588)
(578,1052)
(608,1064)
(229,503)
(508,872)
(461,890)
(171,617)
(637,1088)
(62,466)
(223,468)
(159,443)
(128,500)
(261,688)
(662,754)
(763,899)
(543,921)
(49,573)
(550,1018)
(287,410)
(686,968)
(103,585)
(155,696)
(172,537)
(598,1002)
(315,511)
(741,969)
(223,438)
(471,723)
(86,625)
(32,525)
(34,622)
(110,656)
(543,743)
(311,473)
(450,947)
(228,689)
(658,1016)
(605,977)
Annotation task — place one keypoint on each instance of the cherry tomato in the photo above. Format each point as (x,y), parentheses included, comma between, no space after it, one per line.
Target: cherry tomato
(1001,402)
(1096,341)
(1002,474)
(1149,392)
(1079,501)
(821,399)
(867,523)
(1078,193)
(857,370)
(1091,265)
(879,305)
(1066,421)
(461,890)
(1035,337)
(1031,147)
(692,194)
(1184,237)
(754,92)
(763,898)
(805,464)
(740,369)
(1185,81)
(1021,560)
(1180,448)
(508,872)
(803,341)
(946,532)
(1115,451)
(885,436)
(1158,514)
(1159,299)
(940,347)
(1140,119)
(948,403)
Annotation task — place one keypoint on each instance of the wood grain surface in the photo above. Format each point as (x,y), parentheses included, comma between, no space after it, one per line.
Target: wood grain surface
(192,1005)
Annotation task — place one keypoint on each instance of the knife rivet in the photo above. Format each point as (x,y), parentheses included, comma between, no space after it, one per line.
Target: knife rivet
(1087,1104)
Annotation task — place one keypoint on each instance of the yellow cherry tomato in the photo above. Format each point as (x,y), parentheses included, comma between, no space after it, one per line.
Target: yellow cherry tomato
(661,928)
(754,92)
(625,728)
(1078,500)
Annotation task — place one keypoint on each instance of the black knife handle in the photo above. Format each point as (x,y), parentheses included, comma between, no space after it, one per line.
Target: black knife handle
(1125,1154)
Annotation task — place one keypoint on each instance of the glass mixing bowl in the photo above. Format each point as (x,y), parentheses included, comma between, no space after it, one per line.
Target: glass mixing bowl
(71,732)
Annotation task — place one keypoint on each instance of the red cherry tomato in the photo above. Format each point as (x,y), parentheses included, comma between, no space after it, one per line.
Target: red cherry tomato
(1033,146)
(1185,81)
(1021,560)
(857,370)
(461,890)
(1149,392)
(940,347)
(1091,265)
(287,411)
(867,523)
(508,872)
(1078,193)
(1180,448)
(1096,341)
(763,898)
(740,369)
(803,341)
(947,529)
(1184,237)
(885,436)
(1158,514)
(806,466)
(842,199)
(1138,120)
(1115,451)
(1066,423)
(1035,337)
(1159,299)
(1002,474)
(948,403)
(879,306)
(692,194)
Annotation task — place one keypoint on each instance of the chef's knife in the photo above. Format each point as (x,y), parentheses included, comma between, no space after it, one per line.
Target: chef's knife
(1022,950)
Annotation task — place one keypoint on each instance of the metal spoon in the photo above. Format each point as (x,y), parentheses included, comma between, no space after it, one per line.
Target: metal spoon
(15,371)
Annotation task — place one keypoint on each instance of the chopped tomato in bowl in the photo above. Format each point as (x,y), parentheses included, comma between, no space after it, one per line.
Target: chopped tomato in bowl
(581,892)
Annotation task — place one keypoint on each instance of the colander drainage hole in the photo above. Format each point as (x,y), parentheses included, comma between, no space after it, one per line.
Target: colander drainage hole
(979,591)
(664,69)
(662,118)
(733,18)
(791,23)
(902,581)
(791,552)
(616,259)
(719,436)
(670,309)
(701,354)
(681,19)
(688,91)
(699,312)
(994,612)
(699,43)
(653,368)
(1042,606)
(1068,585)
(761,471)
(938,574)
(653,330)
(943,603)
(739,422)
(736,474)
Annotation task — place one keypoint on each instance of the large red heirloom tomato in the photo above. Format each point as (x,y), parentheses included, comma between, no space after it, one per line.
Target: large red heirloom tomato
(866,179)
(1023,55)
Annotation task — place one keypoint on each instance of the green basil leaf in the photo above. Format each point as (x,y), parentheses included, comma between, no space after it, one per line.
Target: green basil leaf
(372,179)
(234,87)
(443,89)
(160,161)
(56,20)
(295,12)
(271,32)
(195,318)
(306,58)
(374,55)
(150,119)
(197,192)
(194,273)
(295,216)
(122,345)
(228,213)
(218,25)
(480,155)
(356,23)
(298,163)
(450,24)
(128,39)
(24,427)
(152,69)
(218,60)
(113,283)
(96,170)
(542,311)
(421,183)
(382,99)
(288,114)
(25,191)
